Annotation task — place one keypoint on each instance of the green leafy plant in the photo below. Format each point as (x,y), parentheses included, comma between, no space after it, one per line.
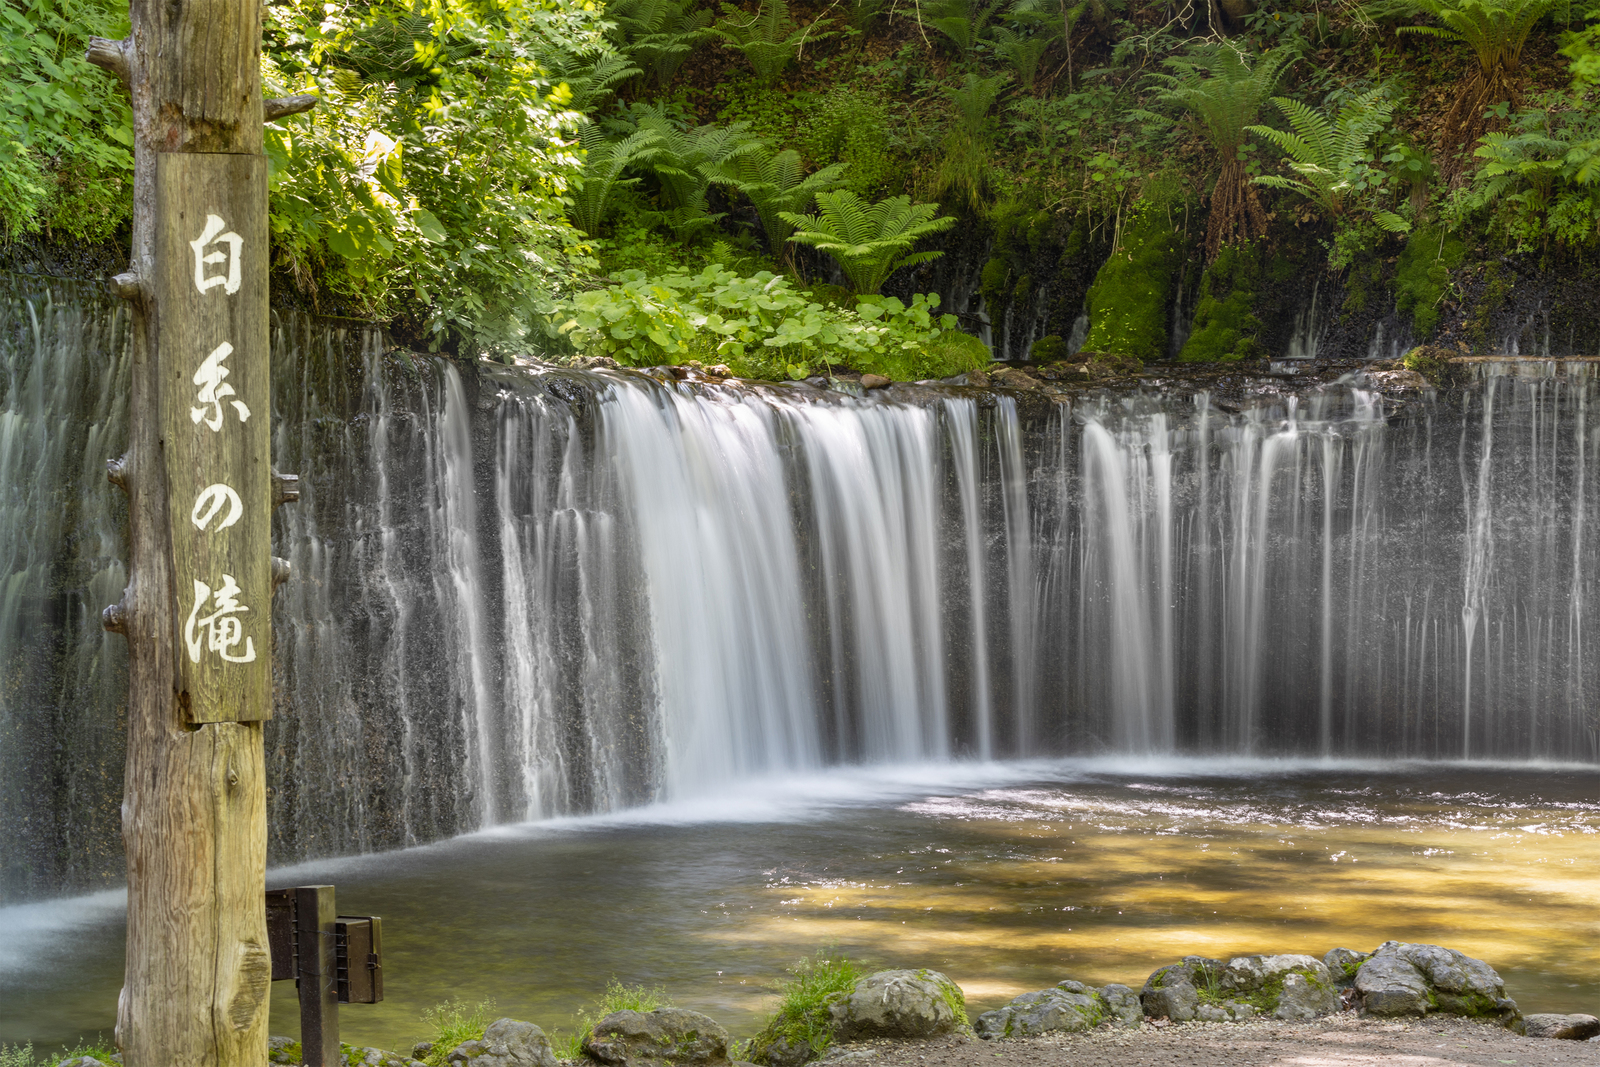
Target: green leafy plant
(65,128)
(802,1015)
(963,22)
(1542,175)
(776,182)
(687,161)
(1224,89)
(451,1023)
(1496,31)
(761,326)
(768,37)
(868,241)
(852,126)
(606,160)
(964,165)
(1023,51)
(1333,157)
(430,189)
(659,35)
(617,997)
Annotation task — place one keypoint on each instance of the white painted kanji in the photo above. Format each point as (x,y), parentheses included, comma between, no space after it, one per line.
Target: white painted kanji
(212,499)
(213,390)
(221,631)
(205,279)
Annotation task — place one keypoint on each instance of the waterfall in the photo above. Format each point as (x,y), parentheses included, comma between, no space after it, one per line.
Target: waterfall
(521,592)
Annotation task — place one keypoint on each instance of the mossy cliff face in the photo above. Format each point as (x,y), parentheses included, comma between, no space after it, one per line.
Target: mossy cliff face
(1423,275)
(1129,302)
(1225,324)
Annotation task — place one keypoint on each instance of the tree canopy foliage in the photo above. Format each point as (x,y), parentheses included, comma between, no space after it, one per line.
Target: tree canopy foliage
(477,164)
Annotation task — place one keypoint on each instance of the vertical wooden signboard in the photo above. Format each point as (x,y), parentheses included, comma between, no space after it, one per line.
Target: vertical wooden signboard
(211,287)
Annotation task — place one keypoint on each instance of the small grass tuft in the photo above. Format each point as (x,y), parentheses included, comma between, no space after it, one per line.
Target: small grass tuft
(24,1056)
(802,1014)
(452,1023)
(617,997)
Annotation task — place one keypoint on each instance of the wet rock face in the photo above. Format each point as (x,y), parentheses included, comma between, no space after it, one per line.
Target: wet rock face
(657,1038)
(1406,979)
(898,1004)
(506,1043)
(1281,987)
(1071,1007)
(1563,1027)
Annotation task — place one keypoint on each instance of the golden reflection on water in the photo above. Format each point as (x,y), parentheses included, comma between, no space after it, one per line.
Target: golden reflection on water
(1110,900)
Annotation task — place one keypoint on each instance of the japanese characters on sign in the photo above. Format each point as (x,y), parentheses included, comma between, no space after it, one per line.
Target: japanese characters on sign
(214,366)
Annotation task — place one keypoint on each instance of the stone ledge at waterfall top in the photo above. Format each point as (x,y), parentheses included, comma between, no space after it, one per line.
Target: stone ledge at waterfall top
(1232,386)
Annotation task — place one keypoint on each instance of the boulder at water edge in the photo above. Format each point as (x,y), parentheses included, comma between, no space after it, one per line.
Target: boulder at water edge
(1564,1027)
(666,1036)
(1404,979)
(1068,1008)
(1288,986)
(506,1043)
(899,1004)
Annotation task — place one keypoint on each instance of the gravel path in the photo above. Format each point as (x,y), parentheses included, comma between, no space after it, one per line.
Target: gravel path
(1338,1041)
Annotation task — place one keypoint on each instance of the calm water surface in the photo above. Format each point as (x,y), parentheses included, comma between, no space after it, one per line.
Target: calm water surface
(1009,878)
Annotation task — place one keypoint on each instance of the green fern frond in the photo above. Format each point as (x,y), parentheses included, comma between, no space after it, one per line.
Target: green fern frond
(868,241)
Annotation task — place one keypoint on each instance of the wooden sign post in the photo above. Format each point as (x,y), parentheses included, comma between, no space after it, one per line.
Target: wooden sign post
(197,609)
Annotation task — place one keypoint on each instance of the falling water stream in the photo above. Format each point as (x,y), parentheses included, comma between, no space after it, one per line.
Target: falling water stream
(523,595)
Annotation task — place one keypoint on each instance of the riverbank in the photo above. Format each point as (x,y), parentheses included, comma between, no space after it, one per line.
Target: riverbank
(1342,1040)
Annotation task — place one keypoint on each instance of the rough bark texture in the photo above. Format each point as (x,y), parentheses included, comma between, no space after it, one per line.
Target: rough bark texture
(194,811)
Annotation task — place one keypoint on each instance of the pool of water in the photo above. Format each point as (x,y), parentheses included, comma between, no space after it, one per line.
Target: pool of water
(1008,877)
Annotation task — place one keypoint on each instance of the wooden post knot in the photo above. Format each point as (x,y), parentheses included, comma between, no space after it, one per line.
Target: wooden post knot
(127,285)
(285,489)
(119,470)
(280,572)
(115,619)
(281,107)
(112,57)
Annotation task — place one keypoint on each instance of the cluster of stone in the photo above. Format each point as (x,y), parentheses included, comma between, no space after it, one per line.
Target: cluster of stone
(1395,979)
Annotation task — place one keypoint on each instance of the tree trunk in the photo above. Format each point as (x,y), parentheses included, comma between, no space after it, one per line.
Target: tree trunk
(194,809)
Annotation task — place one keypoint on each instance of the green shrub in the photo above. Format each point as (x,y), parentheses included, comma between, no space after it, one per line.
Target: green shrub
(1127,303)
(452,1023)
(802,1013)
(617,997)
(761,326)
(1423,275)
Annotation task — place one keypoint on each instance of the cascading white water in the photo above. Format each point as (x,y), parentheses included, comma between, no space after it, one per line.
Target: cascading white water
(523,593)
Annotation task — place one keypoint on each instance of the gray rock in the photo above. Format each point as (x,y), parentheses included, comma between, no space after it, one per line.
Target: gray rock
(875,381)
(420,1050)
(1390,985)
(1173,991)
(1563,1027)
(786,1053)
(898,1004)
(1343,963)
(1060,1010)
(656,1038)
(505,1043)
(1124,1005)
(1407,979)
(278,1050)
(82,1061)
(1282,986)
